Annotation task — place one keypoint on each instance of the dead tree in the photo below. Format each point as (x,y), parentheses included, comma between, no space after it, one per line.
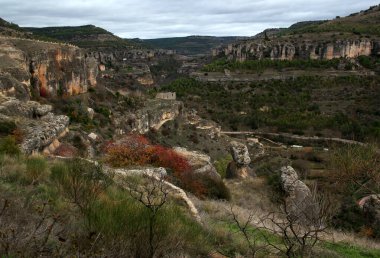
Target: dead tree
(153,195)
(298,231)
(252,234)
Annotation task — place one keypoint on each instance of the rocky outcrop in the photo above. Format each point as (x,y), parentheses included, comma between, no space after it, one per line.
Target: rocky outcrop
(299,201)
(41,128)
(151,117)
(200,162)
(9,86)
(211,128)
(283,50)
(49,69)
(239,166)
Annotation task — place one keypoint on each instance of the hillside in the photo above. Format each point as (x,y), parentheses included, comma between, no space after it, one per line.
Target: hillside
(11,30)
(192,45)
(114,149)
(87,36)
(352,36)
(364,22)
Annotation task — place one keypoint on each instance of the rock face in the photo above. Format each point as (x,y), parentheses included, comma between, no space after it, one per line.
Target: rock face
(151,117)
(239,167)
(40,127)
(211,128)
(48,69)
(299,201)
(200,162)
(283,50)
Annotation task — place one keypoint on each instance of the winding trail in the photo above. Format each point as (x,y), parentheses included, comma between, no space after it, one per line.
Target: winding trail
(297,137)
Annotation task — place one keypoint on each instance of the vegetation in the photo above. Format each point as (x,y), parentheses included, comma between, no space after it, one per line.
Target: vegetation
(363,23)
(257,66)
(221,165)
(357,169)
(60,205)
(136,150)
(83,36)
(295,105)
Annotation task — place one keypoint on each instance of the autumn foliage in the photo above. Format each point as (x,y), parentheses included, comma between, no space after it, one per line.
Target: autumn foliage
(136,150)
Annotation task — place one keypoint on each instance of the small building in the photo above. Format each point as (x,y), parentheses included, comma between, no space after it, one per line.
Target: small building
(166,95)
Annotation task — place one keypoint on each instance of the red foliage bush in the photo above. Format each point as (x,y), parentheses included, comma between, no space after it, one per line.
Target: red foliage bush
(132,150)
(136,150)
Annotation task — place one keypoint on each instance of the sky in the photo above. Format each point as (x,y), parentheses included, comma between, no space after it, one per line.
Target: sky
(175,18)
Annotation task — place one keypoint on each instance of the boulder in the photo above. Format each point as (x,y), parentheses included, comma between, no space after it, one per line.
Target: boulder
(41,133)
(200,162)
(299,201)
(90,113)
(239,166)
(93,136)
(240,153)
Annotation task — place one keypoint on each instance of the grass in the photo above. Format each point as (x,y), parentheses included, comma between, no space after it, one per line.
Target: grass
(80,199)
(350,251)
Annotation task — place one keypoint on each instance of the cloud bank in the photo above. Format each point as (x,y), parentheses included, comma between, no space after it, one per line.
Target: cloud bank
(174,18)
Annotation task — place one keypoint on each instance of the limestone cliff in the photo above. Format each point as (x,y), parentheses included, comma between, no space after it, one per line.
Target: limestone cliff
(151,117)
(46,68)
(289,50)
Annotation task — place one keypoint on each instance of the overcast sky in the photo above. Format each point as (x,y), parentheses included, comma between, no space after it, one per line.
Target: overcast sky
(171,18)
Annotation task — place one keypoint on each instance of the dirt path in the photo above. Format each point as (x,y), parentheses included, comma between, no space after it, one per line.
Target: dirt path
(297,137)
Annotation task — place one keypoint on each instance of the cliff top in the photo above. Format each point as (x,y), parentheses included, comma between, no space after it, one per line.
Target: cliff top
(356,25)
(87,36)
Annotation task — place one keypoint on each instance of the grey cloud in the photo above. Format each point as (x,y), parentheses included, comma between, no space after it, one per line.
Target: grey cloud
(169,18)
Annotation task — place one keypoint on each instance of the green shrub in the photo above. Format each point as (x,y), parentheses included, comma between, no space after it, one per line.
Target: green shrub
(215,188)
(126,221)
(350,217)
(36,168)
(7,127)
(221,165)
(9,146)
(81,182)
(12,168)
(274,181)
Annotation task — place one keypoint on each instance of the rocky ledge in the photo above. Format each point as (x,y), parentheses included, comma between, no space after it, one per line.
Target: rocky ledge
(40,128)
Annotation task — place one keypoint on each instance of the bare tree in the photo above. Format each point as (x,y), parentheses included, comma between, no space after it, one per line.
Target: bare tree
(299,225)
(293,230)
(21,238)
(153,195)
(252,235)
